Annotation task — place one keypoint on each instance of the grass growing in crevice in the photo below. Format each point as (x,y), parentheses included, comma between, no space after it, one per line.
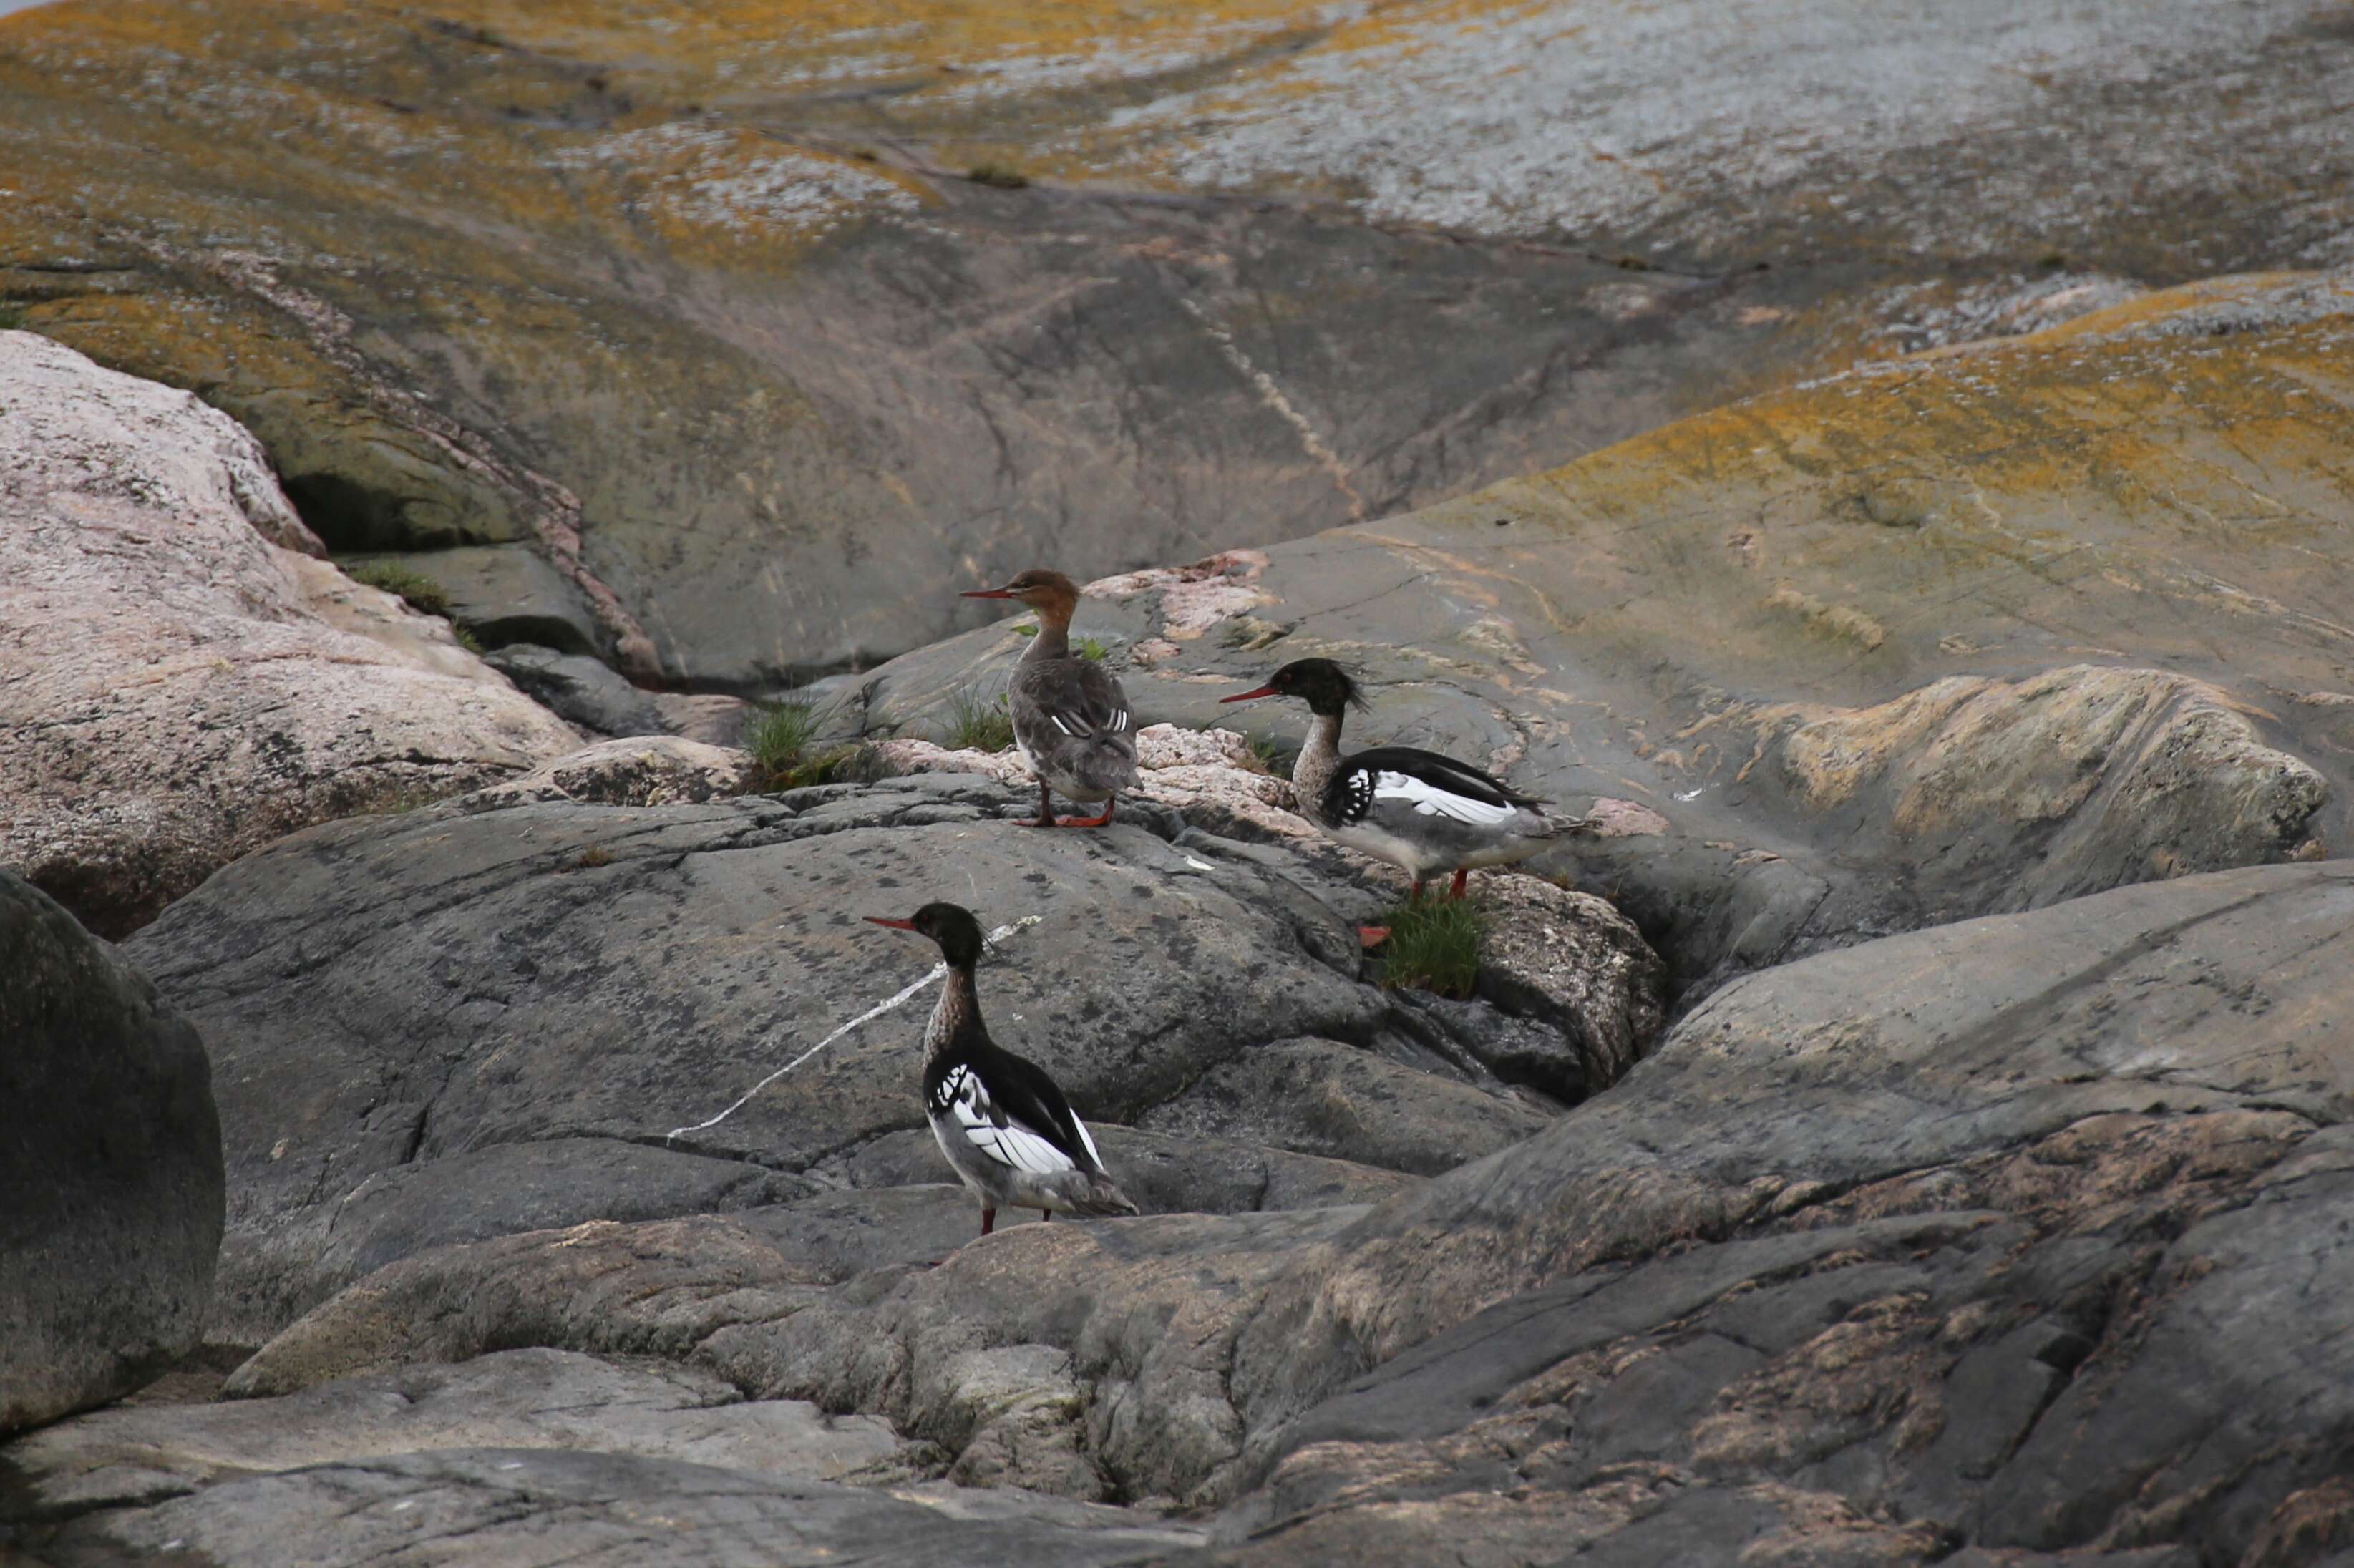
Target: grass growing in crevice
(782,739)
(421,592)
(1273,757)
(978,724)
(12,316)
(778,734)
(1433,946)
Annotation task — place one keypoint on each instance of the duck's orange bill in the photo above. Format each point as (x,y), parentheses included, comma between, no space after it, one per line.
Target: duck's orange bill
(1245,696)
(894,924)
(985,593)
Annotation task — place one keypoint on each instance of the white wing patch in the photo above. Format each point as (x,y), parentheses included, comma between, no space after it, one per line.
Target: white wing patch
(1429,800)
(1075,726)
(1014,1145)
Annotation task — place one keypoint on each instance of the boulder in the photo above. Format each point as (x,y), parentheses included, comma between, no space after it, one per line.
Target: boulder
(711,318)
(111,1161)
(525,1009)
(506,594)
(1890,649)
(580,690)
(184,681)
(639,770)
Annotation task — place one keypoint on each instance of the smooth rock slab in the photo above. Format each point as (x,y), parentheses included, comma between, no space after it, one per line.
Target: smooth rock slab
(538,1506)
(557,972)
(111,1185)
(1319,1096)
(514,1399)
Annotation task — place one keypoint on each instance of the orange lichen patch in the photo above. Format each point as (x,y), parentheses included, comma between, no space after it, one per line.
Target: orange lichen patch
(2116,447)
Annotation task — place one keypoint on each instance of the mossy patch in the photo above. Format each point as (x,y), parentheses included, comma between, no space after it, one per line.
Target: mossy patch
(420,592)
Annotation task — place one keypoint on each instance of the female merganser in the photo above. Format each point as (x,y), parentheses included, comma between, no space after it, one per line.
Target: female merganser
(1422,812)
(1005,1127)
(1071,722)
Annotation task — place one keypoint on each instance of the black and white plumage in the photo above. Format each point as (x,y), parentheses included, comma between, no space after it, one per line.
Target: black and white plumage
(1071,723)
(1423,812)
(1005,1127)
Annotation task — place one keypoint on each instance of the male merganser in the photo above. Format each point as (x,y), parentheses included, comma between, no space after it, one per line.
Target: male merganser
(1422,812)
(1007,1130)
(1071,721)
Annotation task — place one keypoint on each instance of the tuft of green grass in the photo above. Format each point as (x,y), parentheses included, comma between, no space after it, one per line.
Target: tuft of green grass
(978,724)
(1433,946)
(1274,758)
(422,592)
(779,733)
(1004,177)
(12,316)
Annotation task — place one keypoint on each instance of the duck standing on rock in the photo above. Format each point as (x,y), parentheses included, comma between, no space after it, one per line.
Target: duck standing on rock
(1006,1130)
(1422,812)
(1071,720)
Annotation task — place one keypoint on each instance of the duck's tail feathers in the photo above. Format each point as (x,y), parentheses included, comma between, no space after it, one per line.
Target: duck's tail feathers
(1564,827)
(1099,1194)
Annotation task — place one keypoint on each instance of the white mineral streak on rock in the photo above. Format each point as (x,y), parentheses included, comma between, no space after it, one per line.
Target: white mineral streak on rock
(180,678)
(1619,114)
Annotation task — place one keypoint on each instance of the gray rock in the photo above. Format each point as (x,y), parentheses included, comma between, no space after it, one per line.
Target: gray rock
(2022,1235)
(1319,1096)
(110,1161)
(509,1505)
(657,1289)
(509,594)
(606,984)
(507,1188)
(1184,1174)
(522,1398)
(578,688)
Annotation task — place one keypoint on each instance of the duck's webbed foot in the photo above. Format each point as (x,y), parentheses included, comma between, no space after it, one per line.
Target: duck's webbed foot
(1090,822)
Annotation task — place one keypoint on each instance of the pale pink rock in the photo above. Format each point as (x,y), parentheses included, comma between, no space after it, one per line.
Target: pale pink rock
(181,678)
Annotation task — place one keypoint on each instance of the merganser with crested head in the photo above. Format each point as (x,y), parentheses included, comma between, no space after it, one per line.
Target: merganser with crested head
(1006,1130)
(1422,812)
(1071,720)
